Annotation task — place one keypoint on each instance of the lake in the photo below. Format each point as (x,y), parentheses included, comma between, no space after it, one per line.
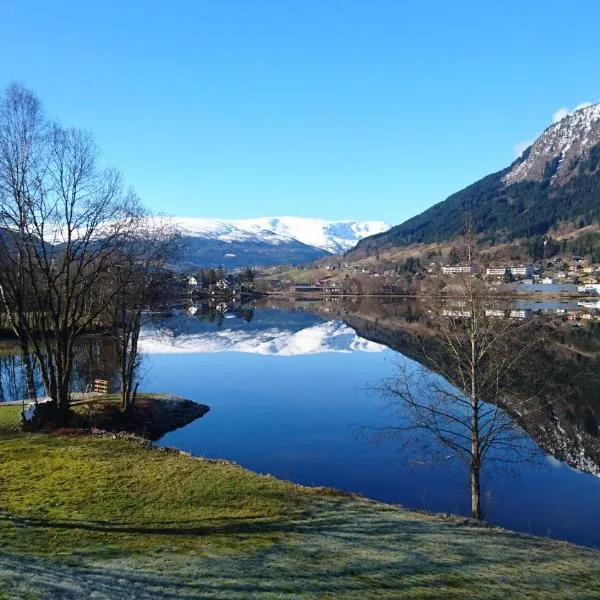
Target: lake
(291,393)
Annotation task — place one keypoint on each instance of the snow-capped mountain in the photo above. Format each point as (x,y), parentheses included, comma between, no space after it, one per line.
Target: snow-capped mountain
(268,240)
(331,336)
(228,231)
(565,142)
(332,236)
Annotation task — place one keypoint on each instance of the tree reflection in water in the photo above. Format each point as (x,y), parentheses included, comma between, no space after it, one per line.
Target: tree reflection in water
(95,358)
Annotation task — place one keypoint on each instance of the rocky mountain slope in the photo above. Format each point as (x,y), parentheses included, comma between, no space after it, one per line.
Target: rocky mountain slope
(555,181)
(567,142)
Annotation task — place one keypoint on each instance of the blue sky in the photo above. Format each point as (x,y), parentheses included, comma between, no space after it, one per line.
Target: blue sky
(369,109)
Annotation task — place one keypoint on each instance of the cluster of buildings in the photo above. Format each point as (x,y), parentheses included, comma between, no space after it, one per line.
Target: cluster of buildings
(585,278)
(512,313)
(226,285)
(322,287)
(516,271)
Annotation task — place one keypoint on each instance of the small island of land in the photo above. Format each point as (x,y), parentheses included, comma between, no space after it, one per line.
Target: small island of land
(120,518)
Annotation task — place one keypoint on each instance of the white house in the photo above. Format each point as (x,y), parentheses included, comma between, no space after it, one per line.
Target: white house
(494,312)
(589,288)
(456,313)
(459,269)
(522,270)
(192,281)
(520,313)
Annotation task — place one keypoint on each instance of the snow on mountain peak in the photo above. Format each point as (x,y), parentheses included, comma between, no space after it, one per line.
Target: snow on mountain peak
(332,236)
(568,139)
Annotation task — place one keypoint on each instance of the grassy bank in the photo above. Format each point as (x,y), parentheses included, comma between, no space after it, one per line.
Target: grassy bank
(132,521)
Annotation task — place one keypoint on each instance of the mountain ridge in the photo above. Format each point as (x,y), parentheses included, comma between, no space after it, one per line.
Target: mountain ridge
(556,180)
(334,237)
(266,241)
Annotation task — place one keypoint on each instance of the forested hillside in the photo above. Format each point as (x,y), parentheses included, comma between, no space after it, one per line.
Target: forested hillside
(555,181)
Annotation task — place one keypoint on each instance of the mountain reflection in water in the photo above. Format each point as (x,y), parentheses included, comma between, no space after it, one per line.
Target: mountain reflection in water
(266,334)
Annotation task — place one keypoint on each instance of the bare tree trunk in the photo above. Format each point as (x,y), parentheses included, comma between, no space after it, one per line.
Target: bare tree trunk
(27,362)
(475,448)
(130,359)
(124,392)
(475,456)
(29,380)
(125,333)
(475,491)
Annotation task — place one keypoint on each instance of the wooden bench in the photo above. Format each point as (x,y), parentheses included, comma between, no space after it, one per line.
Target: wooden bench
(100,386)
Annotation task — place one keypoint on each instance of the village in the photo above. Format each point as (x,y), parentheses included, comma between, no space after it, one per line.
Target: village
(568,288)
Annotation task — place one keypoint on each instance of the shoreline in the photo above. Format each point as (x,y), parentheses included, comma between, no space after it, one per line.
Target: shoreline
(153,415)
(170,412)
(499,296)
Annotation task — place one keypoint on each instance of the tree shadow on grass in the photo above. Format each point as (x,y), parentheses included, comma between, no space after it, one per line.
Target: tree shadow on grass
(255,524)
(345,549)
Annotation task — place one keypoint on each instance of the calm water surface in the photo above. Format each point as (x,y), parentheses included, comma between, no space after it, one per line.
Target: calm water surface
(291,394)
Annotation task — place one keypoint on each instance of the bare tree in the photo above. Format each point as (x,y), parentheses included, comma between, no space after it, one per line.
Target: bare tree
(137,287)
(22,131)
(64,218)
(453,403)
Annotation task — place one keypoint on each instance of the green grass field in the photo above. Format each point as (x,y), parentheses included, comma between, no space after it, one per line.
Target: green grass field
(131,521)
(64,495)
(10,416)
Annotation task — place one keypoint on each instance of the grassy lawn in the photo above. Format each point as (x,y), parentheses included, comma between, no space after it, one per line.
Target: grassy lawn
(9,417)
(65,496)
(129,521)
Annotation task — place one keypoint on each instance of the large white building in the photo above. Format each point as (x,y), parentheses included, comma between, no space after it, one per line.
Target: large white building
(494,312)
(515,271)
(520,313)
(522,271)
(495,271)
(459,269)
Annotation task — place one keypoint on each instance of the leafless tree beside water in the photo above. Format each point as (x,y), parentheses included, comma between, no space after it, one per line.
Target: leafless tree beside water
(136,284)
(454,402)
(63,220)
(22,131)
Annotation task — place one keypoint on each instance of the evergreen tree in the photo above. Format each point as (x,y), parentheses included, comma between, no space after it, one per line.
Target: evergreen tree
(453,256)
